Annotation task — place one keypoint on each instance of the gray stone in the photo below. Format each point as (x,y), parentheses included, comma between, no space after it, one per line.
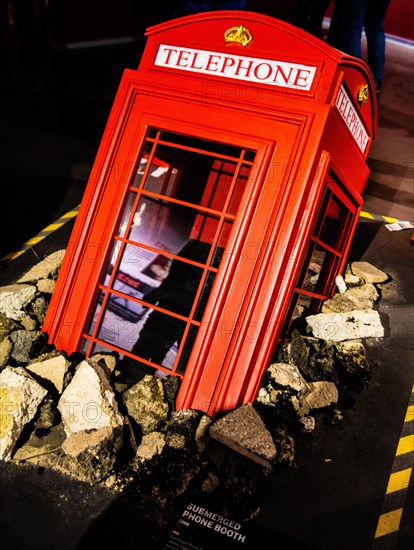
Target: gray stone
(345,326)
(145,403)
(294,352)
(7,326)
(14,298)
(362,298)
(322,394)
(46,269)
(288,376)
(88,402)
(27,344)
(53,370)
(368,272)
(20,397)
(244,431)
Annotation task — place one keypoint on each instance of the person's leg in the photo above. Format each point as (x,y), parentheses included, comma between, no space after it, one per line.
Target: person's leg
(158,334)
(374,31)
(346,27)
(316,16)
(301,14)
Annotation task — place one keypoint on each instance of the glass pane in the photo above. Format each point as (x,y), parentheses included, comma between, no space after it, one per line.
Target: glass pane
(160,178)
(162,224)
(159,338)
(185,198)
(202,144)
(205,293)
(220,249)
(310,281)
(132,197)
(136,182)
(333,223)
(119,331)
(241,183)
(186,351)
(177,292)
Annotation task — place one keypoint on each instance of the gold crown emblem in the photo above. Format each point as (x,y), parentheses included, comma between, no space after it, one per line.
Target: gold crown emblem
(363,94)
(240,35)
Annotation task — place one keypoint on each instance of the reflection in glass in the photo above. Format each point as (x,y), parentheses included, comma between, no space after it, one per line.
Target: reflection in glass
(161,224)
(160,178)
(314,268)
(157,336)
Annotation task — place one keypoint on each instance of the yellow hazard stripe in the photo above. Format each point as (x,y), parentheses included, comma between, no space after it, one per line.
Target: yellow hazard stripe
(409,414)
(378,217)
(390,518)
(389,523)
(41,235)
(399,481)
(72,213)
(405,445)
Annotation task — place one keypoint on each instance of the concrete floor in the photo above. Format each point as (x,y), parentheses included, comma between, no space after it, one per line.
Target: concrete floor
(55,105)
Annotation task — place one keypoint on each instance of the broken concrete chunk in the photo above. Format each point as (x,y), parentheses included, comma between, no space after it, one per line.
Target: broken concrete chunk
(13,299)
(152,445)
(244,431)
(202,436)
(146,404)
(362,298)
(88,402)
(27,344)
(307,424)
(53,370)
(46,269)
(46,286)
(94,451)
(180,429)
(322,394)
(294,352)
(6,347)
(352,359)
(7,326)
(368,272)
(340,283)
(108,359)
(287,376)
(345,326)
(20,396)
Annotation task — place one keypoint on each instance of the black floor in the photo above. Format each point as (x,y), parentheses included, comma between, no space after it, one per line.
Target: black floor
(54,108)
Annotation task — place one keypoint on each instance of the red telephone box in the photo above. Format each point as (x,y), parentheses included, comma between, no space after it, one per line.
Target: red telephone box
(221,205)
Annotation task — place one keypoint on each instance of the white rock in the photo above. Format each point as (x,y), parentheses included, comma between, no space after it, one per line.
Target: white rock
(20,397)
(88,402)
(340,283)
(13,298)
(53,369)
(351,325)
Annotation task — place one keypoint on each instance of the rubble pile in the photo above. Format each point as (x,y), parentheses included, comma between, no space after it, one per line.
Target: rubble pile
(75,415)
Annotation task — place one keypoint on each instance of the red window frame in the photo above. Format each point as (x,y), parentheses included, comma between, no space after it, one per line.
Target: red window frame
(330,236)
